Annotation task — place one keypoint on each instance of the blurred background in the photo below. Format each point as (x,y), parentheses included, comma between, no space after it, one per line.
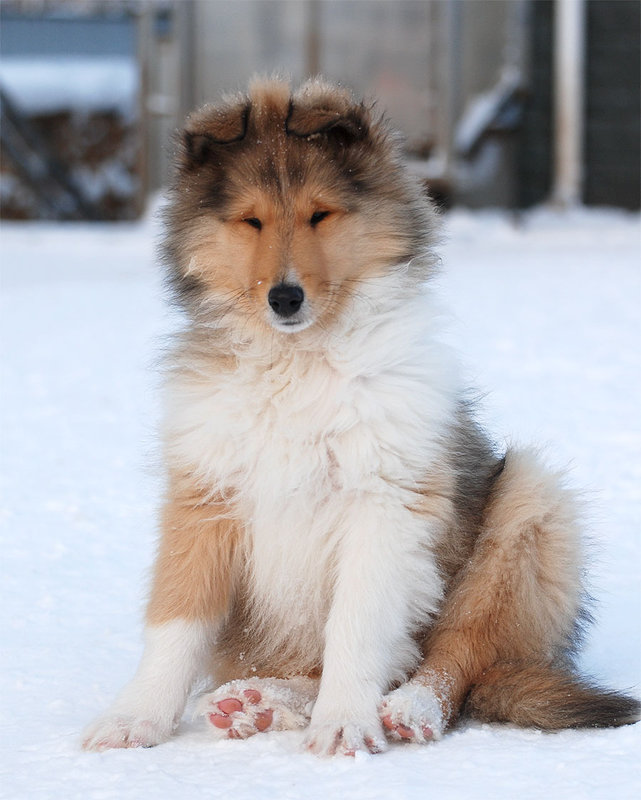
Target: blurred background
(507,103)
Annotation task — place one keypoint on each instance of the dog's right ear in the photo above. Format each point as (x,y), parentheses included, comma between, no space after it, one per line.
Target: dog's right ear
(210,128)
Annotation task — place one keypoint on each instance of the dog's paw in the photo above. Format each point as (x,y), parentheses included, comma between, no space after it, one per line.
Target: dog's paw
(114,730)
(412,713)
(335,738)
(240,709)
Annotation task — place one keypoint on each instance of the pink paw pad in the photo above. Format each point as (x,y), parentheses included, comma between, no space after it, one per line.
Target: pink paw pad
(220,720)
(264,719)
(240,716)
(405,732)
(230,705)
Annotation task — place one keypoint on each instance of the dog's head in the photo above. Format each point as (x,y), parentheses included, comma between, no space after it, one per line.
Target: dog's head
(286,205)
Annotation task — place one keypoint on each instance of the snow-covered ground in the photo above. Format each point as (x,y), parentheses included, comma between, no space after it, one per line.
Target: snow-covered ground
(547,316)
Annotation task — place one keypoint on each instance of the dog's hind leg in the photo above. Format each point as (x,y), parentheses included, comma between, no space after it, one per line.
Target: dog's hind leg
(516,600)
(239,709)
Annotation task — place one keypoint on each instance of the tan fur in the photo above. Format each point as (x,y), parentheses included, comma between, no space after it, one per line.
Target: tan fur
(194,570)
(518,596)
(538,695)
(436,497)
(242,266)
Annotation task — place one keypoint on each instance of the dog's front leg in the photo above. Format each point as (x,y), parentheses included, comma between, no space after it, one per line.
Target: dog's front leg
(189,598)
(385,581)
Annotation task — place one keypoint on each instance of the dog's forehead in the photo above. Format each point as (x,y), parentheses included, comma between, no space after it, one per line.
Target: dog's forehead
(271,159)
(286,173)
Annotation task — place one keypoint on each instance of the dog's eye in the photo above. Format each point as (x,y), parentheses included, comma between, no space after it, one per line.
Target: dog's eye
(318,216)
(254,222)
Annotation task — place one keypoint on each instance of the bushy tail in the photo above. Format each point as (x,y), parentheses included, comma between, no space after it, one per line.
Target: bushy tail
(545,697)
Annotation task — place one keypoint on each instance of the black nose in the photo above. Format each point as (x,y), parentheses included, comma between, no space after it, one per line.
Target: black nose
(285,299)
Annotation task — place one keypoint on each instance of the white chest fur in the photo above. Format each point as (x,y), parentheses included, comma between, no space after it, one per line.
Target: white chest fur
(305,443)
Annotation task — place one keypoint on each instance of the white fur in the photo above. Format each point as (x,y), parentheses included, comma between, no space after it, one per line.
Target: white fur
(320,444)
(415,706)
(149,707)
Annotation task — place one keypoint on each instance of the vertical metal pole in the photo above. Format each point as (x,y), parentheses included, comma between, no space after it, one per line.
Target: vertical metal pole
(569,77)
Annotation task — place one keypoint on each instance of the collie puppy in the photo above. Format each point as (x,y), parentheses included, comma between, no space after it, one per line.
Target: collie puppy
(342,549)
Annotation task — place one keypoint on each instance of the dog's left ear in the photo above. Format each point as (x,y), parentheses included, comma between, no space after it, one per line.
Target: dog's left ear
(329,116)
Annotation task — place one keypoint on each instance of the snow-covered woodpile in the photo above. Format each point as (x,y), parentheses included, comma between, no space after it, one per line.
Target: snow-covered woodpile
(70,146)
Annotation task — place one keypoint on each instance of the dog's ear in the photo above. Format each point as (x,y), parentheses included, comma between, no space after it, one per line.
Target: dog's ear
(331,116)
(210,128)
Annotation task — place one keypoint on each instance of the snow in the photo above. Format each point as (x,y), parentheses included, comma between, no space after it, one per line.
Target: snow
(83,84)
(483,109)
(545,311)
